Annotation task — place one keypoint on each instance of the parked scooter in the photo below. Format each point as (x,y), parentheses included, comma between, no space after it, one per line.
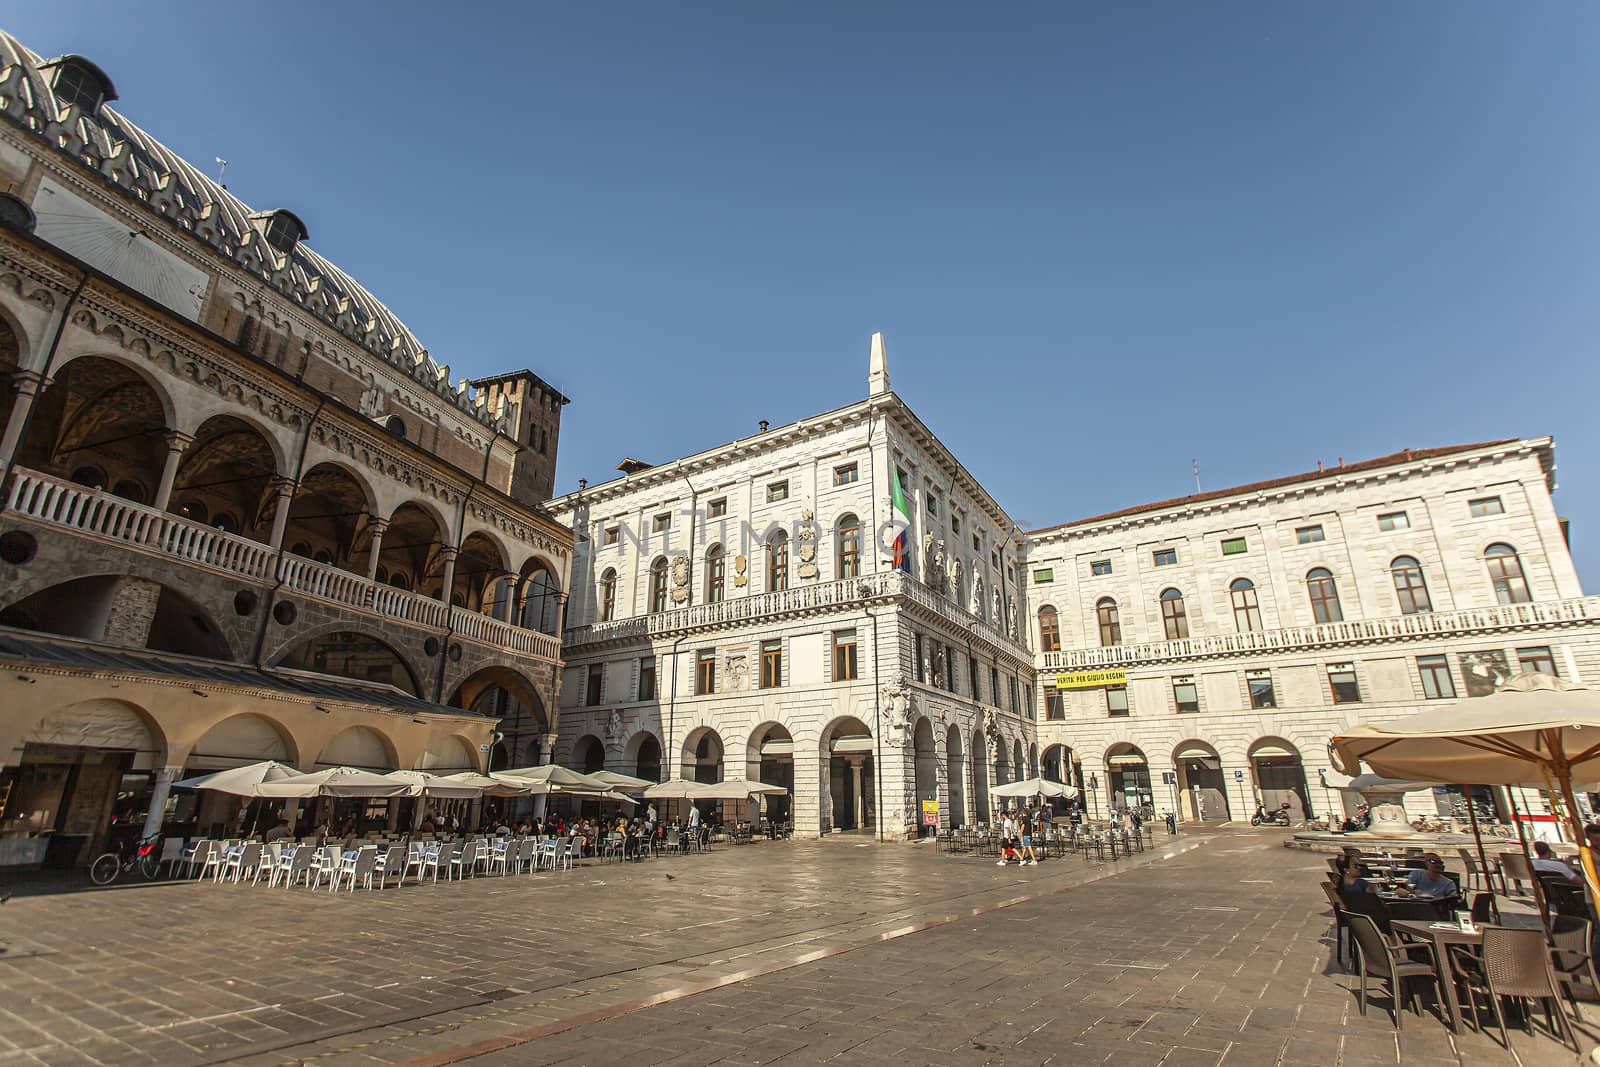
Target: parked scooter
(1275,817)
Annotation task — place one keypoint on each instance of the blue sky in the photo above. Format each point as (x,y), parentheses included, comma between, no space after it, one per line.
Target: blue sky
(1102,240)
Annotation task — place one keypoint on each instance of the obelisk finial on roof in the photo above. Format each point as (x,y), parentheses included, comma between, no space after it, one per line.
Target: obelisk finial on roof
(878,368)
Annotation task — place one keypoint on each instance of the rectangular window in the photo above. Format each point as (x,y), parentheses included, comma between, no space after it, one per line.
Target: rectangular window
(705,672)
(1436,681)
(591,691)
(1233,546)
(1342,683)
(716,509)
(1538,660)
(972,675)
(1165,557)
(1100,566)
(1185,695)
(1306,535)
(771,664)
(1044,574)
(1116,700)
(613,535)
(647,678)
(777,491)
(1054,706)
(1488,505)
(662,522)
(950,661)
(1261,692)
(1011,692)
(933,504)
(994,686)
(922,662)
(844,655)
(955,523)
(1394,520)
(848,474)
(977,543)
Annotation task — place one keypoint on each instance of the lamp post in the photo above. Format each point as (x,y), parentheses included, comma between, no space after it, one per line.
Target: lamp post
(1094,796)
(1327,790)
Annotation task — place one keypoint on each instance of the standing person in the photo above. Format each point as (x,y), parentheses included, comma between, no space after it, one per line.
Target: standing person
(1007,831)
(1025,825)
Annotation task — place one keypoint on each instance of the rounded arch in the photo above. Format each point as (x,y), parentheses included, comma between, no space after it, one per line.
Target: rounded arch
(847,545)
(501,692)
(79,606)
(329,517)
(446,755)
(101,422)
(411,550)
(1506,575)
(588,754)
(225,476)
(848,773)
(1049,628)
(606,596)
(135,368)
(1127,777)
(955,778)
(13,357)
(358,746)
(1174,614)
(1002,763)
(716,567)
(1108,618)
(351,654)
(978,768)
(1056,764)
(102,723)
(244,737)
(658,584)
(926,767)
(1410,585)
(1018,767)
(701,756)
(1246,605)
(480,576)
(769,757)
(1033,759)
(540,597)
(1202,780)
(1323,591)
(1280,776)
(641,756)
(777,544)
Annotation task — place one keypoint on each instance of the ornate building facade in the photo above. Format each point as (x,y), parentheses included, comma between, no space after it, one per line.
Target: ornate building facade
(246,514)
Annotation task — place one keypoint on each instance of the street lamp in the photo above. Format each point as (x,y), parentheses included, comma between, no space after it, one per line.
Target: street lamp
(1094,784)
(1327,794)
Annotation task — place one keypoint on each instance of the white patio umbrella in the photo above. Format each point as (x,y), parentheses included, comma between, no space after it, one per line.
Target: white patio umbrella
(424,784)
(240,781)
(491,786)
(676,789)
(622,783)
(550,774)
(335,782)
(732,789)
(1034,787)
(1536,727)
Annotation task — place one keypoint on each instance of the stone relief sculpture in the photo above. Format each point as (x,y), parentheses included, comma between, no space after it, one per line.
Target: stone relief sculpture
(977,591)
(927,559)
(740,579)
(897,711)
(938,668)
(614,727)
(1011,617)
(991,733)
(738,672)
(999,615)
(680,579)
(807,536)
(955,578)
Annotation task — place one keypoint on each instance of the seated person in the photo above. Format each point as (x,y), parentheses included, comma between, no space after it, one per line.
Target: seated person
(1350,879)
(1545,862)
(1430,881)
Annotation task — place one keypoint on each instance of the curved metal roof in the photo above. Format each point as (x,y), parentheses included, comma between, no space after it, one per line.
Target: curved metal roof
(151,174)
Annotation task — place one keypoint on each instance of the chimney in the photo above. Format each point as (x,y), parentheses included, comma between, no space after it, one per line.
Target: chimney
(763,425)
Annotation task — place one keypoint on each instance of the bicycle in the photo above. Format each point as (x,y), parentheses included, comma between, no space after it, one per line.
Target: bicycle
(110,866)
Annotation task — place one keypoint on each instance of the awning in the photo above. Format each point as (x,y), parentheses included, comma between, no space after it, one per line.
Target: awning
(846,745)
(1125,761)
(776,747)
(1196,752)
(1273,752)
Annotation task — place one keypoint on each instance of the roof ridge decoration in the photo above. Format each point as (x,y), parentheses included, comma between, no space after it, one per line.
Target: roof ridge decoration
(170,187)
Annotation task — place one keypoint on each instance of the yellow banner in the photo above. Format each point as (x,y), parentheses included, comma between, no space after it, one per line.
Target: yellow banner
(1091,679)
(930,807)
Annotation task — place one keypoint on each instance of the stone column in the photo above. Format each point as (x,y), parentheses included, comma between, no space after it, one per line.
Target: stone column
(158,799)
(376,527)
(27,384)
(283,490)
(130,611)
(547,745)
(448,553)
(177,443)
(861,801)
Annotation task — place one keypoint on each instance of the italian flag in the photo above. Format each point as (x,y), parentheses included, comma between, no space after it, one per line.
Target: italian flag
(900,525)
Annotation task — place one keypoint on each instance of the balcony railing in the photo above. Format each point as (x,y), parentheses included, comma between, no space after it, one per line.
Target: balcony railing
(89,511)
(1335,634)
(799,600)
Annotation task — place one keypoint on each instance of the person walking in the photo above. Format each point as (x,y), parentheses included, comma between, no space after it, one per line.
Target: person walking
(1008,830)
(1025,826)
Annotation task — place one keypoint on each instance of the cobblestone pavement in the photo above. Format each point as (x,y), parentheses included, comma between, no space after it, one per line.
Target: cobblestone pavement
(1210,949)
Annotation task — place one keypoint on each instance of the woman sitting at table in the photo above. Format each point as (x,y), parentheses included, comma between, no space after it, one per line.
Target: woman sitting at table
(1430,881)
(1350,879)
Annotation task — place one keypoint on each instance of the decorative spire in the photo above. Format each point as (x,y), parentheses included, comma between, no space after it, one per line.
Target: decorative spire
(878,368)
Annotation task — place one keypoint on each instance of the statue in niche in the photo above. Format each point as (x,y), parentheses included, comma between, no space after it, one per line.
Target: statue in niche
(955,579)
(1011,617)
(614,727)
(897,711)
(999,615)
(806,535)
(991,733)
(930,561)
(977,591)
(938,667)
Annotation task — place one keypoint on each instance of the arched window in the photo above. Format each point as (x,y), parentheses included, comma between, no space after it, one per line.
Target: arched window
(1110,621)
(1049,630)
(658,584)
(1246,610)
(847,562)
(777,561)
(716,571)
(1505,571)
(608,595)
(1410,586)
(1174,616)
(1324,596)
(77,81)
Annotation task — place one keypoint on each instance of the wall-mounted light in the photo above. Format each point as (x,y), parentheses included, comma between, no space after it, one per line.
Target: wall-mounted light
(324,710)
(420,722)
(25,678)
(197,693)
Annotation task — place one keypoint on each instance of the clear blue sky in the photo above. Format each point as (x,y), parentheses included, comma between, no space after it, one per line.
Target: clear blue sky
(1101,239)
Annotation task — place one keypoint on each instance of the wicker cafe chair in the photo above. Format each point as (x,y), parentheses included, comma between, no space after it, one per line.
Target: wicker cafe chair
(1379,958)
(1517,964)
(1341,922)
(1571,961)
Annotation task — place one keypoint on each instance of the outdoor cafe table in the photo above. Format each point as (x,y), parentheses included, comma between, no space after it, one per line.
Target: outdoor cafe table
(1441,935)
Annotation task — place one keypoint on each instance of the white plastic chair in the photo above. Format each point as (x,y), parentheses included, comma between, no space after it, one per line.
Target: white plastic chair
(326,862)
(392,862)
(500,853)
(416,856)
(214,861)
(440,857)
(358,867)
(465,861)
(294,866)
(245,857)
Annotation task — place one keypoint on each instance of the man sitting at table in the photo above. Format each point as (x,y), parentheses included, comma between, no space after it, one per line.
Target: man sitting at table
(1545,862)
(1430,881)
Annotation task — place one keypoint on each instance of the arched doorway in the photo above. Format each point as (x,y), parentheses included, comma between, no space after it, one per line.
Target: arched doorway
(642,757)
(589,754)
(329,519)
(1055,765)
(233,742)
(540,599)
(1019,769)
(955,813)
(1002,763)
(1033,760)
(847,787)
(504,694)
(770,759)
(927,773)
(1128,778)
(80,607)
(348,654)
(1280,777)
(979,768)
(364,748)
(1202,782)
(357,746)
(702,755)
(102,425)
(410,553)
(225,479)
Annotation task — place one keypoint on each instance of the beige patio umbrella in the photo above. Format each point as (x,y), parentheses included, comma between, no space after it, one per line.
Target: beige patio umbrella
(335,782)
(240,781)
(424,784)
(1034,787)
(622,783)
(491,786)
(1535,728)
(549,774)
